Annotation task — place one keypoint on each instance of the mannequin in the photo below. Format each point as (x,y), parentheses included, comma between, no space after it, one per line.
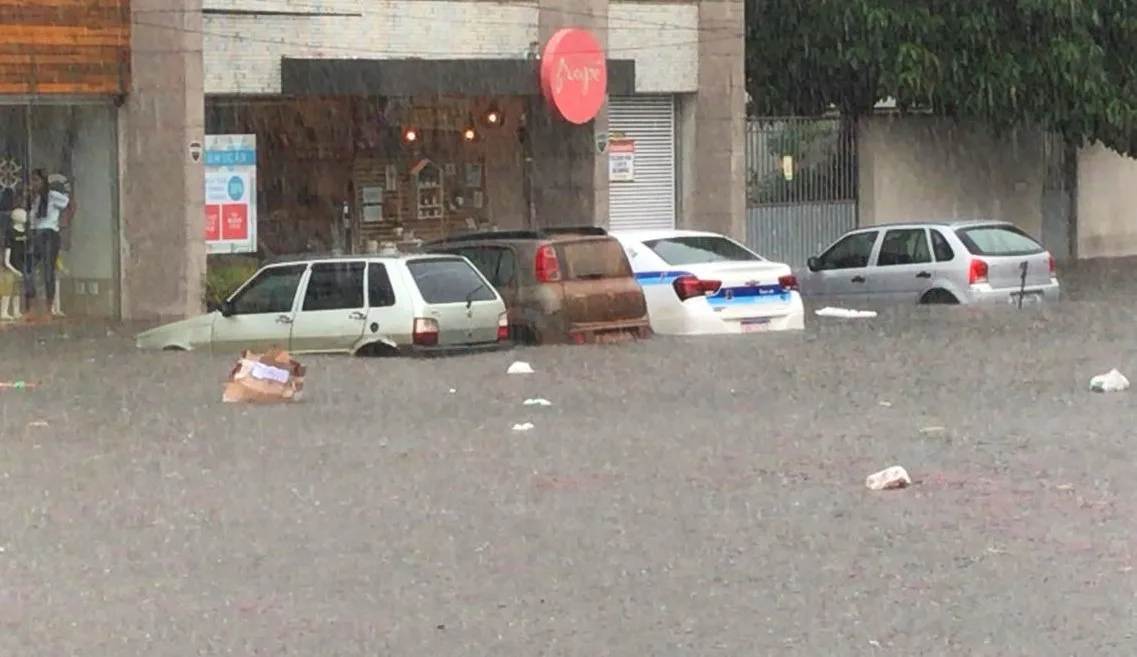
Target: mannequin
(15,251)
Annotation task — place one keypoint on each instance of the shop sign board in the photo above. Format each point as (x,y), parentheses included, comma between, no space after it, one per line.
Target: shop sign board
(622,160)
(574,75)
(230,193)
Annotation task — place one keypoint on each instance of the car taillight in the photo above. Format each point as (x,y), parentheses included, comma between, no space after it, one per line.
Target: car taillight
(788,282)
(977,272)
(687,287)
(546,266)
(502,327)
(1053,265)
(425,332)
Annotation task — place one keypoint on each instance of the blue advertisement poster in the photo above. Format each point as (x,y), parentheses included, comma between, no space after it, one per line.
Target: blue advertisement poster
(230,193)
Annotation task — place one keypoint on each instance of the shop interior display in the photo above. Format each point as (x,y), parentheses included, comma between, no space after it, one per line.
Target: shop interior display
(405,172)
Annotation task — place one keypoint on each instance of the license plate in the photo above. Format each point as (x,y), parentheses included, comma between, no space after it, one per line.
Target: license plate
(1028,298)
(756,326)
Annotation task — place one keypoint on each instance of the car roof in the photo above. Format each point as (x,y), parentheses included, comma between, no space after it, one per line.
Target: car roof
(947,223)
(644,234)
(547,234)
(343,257)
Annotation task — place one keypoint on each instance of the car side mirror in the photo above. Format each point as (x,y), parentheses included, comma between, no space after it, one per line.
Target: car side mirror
(813,263)
(226,308)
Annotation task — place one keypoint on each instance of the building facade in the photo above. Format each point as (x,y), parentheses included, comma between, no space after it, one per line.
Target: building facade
(62,81)
(374,120)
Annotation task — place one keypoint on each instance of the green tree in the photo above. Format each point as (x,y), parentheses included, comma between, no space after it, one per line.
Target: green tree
(1065,66)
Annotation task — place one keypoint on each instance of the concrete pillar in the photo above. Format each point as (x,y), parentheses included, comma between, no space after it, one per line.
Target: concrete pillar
(162,190)
(713,191)
(570,178)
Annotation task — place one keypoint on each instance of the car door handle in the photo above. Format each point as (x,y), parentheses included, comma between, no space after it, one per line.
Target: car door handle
(858,279)
(924,274)
(357,315)
(283,319)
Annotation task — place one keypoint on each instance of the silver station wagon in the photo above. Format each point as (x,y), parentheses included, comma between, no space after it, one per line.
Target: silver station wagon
(363,305)
(952,262)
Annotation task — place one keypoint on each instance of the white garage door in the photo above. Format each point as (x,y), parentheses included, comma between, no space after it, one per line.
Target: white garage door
(648,201)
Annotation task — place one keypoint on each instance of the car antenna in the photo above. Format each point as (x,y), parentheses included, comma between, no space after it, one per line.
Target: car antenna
(1022,282)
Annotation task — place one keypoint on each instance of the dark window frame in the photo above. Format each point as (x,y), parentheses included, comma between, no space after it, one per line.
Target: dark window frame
(875,234)
(389,300)
(235,300)
(934,233)
(338,281)
(884,240)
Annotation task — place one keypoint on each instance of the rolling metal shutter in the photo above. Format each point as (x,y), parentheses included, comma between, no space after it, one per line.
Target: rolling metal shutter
(649,200)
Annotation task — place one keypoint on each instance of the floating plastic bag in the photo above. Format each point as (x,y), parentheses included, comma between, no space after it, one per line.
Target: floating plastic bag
(888,479)
(844,313)
(520,367)
(1111,381)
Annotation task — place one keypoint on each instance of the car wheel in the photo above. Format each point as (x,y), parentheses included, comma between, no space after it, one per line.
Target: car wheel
(522,335)
(376,350)
(939,297)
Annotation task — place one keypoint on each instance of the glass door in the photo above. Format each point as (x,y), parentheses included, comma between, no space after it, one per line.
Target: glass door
(13,159)
(75,146)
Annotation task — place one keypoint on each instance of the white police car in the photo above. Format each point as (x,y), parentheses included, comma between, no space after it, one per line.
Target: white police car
(697,283)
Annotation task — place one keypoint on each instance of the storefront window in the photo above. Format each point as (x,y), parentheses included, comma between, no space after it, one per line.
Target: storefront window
(75,148)
(350,173)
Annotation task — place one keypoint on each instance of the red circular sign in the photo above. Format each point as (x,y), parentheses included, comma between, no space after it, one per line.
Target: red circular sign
(574,75)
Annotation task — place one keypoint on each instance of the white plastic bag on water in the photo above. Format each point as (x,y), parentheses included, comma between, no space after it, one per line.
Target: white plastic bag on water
(888,479)
(1111,381)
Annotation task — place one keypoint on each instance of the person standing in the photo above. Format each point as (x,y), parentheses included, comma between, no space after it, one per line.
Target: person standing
(48,203)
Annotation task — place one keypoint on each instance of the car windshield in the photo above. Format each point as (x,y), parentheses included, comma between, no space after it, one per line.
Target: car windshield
(699,249)
(449,280)
(998,240)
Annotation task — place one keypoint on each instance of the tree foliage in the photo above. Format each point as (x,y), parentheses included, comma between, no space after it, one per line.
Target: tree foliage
(1066,66)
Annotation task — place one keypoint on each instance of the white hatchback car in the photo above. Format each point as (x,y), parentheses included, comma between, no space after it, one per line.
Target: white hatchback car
(698,283)
(364,305)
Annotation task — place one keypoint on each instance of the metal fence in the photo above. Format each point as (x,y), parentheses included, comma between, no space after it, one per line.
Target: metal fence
(801,184)
(791,234)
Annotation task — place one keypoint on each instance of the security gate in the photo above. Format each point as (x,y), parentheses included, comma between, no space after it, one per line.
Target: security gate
(801,185)
(641,187)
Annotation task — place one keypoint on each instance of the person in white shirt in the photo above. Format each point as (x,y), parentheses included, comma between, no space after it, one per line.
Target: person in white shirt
(48,204)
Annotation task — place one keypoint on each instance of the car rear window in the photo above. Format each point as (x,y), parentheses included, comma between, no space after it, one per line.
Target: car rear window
(998,241)
(699,249)
(449,280)
(594,259)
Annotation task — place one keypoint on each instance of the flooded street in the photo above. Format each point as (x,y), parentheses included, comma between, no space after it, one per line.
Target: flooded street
(700,496)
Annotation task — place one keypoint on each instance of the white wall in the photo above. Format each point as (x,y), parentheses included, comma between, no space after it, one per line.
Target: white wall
(664,41)
(927,168)
(1107,212)
(242,53)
